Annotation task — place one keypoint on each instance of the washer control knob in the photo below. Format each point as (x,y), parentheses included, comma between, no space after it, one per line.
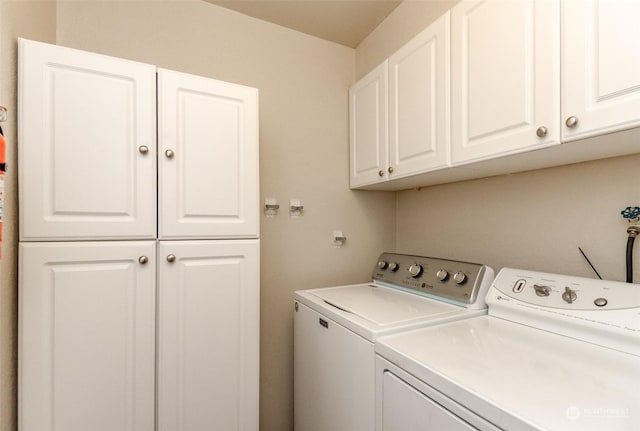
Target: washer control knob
(569,295)
(600,302)
(382,264)
(415,270)
(442,275)
(393,266)
(541,290)
(459,277)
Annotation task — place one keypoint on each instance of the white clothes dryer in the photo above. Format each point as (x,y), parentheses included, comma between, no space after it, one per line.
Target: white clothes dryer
(554,353)
(335,329)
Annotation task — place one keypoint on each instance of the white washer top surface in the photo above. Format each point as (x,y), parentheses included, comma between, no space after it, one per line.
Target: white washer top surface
(373,311)
(521,378)
(383,306)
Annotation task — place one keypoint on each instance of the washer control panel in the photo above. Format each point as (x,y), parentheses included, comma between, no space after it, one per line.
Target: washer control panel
(461,282)
(599,311)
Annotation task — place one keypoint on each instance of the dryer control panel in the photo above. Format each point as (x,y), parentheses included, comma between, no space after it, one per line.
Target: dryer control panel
(462,283)
(598,311)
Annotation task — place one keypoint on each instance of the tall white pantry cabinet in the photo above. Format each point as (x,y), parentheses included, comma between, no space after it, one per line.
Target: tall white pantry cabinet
(138,267)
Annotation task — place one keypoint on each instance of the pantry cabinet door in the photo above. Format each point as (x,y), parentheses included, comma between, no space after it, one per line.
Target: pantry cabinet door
(601,67)
(87,336)
(505,76)
(87,141)
(419,129)
(208,335)
(368,137)
(208,157)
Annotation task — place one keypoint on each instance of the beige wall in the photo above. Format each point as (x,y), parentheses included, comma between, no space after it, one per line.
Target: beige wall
(534,219)
(35,20)
(407,20)
(303,83)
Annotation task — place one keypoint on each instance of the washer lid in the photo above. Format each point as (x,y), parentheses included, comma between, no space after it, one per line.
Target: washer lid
(383,306)
(518,377)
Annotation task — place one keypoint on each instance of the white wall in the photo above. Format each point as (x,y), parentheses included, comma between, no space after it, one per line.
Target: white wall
(36,20)
(303,83)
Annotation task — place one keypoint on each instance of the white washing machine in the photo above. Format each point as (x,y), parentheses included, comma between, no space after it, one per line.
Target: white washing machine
(335,329)
(554,353)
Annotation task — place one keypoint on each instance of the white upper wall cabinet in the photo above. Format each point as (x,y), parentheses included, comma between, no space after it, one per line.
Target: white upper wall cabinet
(87,134)
(419,102)
(368,143)
(87,336)
(506,94)
(208,157)
(601,66)
(505,77)
(208,335)
(399,112)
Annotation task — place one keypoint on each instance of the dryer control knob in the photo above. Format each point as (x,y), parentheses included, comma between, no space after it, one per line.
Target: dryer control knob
(569,295)
(459,277)
(393,266)
(382,264)
(542,290)
(442,275)
(415,270)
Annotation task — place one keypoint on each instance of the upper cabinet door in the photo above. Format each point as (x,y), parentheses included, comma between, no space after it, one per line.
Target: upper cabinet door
(505,75)
(208,157)
(368,140)
(601,66)
(87,136)
(419,102)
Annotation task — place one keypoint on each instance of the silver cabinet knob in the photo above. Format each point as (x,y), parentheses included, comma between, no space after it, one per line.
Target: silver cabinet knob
(169,154)
(171,258)
(380,173)
(390,169)
(571,121)
(143,149)
(541,132)
(143,260)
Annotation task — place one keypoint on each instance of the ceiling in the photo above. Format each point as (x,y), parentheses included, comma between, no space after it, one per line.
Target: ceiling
(346,22)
